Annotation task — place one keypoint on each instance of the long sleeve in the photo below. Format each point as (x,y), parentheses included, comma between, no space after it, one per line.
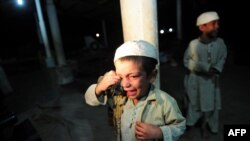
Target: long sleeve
(191,59)
(176,123)
(222,54)
(92,99)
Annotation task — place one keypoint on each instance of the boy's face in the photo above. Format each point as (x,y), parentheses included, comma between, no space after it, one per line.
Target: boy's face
(211,28)
(134,79)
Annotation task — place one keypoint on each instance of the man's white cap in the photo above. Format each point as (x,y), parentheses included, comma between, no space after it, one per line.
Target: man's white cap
(207,17)
(136,48)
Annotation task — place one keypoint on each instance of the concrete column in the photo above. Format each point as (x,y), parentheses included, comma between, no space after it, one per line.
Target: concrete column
(55,31)
(104,33)
(64,72)
(42,28)
(139,22)
(178,17)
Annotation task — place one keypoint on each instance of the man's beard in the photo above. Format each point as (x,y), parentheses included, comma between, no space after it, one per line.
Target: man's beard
(213,34)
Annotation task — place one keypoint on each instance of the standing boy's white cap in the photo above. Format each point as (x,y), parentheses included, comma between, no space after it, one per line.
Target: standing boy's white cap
(136,48)
(207,17)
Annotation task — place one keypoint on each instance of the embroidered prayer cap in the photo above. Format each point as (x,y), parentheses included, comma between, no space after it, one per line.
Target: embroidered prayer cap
(207,17)
(136,48)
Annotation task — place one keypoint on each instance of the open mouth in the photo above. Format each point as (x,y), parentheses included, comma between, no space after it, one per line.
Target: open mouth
(131,93)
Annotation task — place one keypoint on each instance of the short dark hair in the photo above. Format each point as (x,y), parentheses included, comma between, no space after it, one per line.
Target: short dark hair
(148,64)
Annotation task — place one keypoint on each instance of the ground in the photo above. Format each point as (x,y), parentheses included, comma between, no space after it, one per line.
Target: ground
(60,113)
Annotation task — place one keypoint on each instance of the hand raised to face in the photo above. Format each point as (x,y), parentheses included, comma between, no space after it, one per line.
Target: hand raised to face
(110,78)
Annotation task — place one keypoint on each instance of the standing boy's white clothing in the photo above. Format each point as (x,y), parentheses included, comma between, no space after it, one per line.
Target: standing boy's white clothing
(202,89)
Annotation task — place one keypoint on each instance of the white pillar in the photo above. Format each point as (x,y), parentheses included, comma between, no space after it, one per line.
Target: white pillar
(64,73)
(104,33)
(55,31)
(178,17)
(139,22)
(42,28)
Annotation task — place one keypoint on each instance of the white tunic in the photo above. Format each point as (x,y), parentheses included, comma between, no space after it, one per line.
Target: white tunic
(203,90)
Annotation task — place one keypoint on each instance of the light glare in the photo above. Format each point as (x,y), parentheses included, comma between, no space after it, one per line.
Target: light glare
(170,30)
(162,31)
(20,2)
(97,35)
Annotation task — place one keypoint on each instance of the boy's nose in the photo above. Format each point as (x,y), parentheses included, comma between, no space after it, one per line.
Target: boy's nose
(125,83)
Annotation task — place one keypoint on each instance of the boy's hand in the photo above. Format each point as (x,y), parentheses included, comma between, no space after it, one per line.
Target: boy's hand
(110,78)
(144,131)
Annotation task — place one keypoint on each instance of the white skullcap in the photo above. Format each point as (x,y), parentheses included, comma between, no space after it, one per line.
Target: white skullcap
(207,17)
(136,48)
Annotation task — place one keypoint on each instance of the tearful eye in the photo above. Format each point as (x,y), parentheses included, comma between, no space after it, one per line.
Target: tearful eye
(134,76)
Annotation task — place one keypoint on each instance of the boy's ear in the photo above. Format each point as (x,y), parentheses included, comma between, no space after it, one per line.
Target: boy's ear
(153,75)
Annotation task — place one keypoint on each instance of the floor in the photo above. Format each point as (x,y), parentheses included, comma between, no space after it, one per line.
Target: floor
(59,112)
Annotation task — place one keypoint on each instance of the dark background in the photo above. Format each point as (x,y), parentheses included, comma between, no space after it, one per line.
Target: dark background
(19,37)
